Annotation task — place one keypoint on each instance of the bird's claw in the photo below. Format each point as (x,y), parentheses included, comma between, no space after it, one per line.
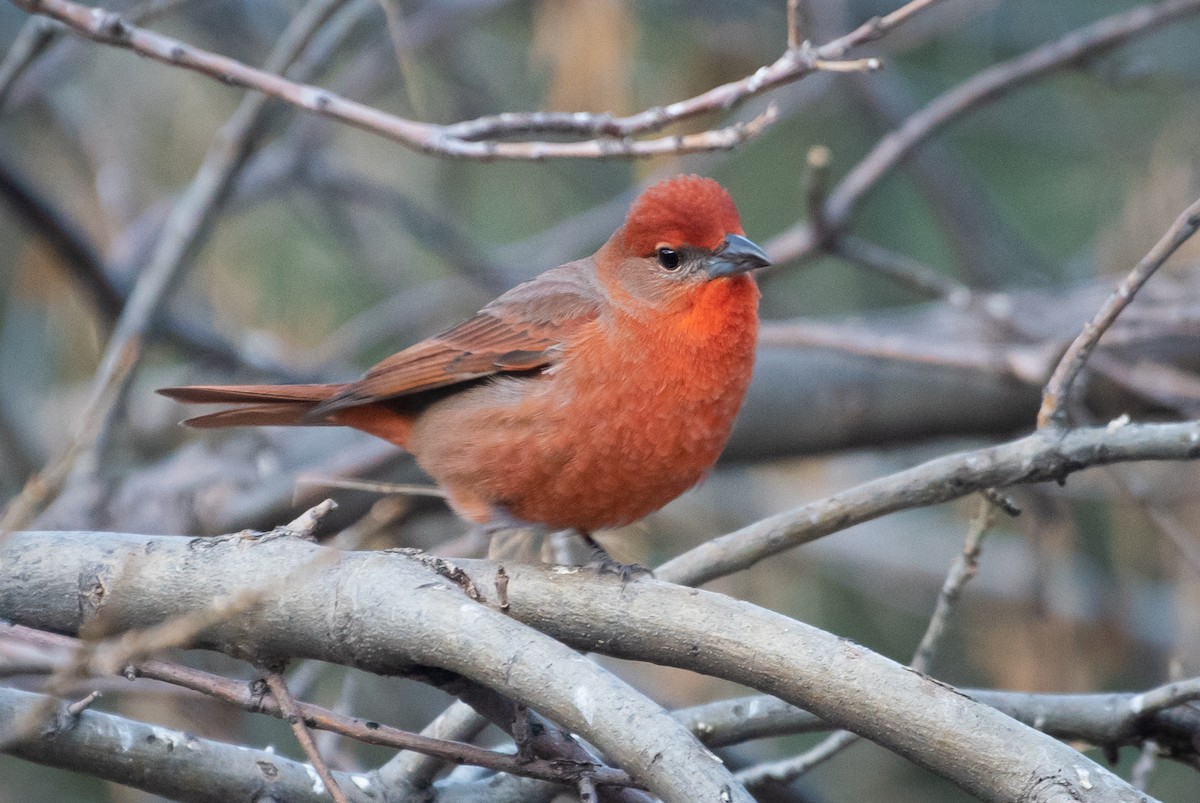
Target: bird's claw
(605,564)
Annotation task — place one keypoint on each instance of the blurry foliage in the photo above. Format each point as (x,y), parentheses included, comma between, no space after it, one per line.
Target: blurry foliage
(1084,171)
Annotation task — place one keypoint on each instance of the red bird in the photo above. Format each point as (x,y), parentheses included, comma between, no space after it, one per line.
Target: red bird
(585,398)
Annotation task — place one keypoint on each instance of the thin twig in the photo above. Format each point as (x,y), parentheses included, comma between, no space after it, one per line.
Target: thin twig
(903,270)
(789,769)
(190,218)
(43,487)
(795,23)
(459,722)
(1053,412)
(240,694)
(1139,773)
(109,28)
(984,87)
(404,489)
(38,34)
(964,567)
(476,139)
(287,706)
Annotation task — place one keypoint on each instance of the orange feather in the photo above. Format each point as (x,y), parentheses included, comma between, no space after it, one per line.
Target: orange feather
(587,397)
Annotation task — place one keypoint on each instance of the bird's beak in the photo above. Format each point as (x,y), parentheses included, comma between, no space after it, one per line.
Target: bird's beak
(736,255)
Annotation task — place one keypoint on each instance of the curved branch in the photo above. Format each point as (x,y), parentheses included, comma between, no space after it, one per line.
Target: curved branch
(1039,457)
(1108,720)
(208,771)
(1054,397)
(421,754)
(167,762)
(984,87)
(382,611)
(474,139)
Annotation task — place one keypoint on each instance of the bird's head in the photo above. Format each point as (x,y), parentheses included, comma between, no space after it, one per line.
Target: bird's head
(680,234)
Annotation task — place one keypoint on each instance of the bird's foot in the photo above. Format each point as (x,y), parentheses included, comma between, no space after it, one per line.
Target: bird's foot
(604,563)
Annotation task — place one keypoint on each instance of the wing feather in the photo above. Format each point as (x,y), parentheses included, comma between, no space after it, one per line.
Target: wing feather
(523,330)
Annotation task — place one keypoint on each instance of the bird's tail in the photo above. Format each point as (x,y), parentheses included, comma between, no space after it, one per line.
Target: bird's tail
(289,406)
(259,405)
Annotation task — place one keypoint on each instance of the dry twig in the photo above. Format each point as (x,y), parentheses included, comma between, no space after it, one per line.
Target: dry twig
(986,86)
(1053,412)
(437,745)
(480,138)
(191,216)
(287,707)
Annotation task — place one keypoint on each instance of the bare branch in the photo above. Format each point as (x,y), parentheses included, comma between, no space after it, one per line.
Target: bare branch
(923,280)
(39,33)
(464,140)
(287,707)
(985,87)
(166,762)
(1054,397)
(435,744)
(1035,458)
(964,567)
(795,24)
(417,617)
(789,769)
(1164,697)
(401,614)
(190,218)
(1103,719)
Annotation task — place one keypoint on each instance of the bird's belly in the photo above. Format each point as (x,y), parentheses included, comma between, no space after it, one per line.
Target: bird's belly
(586,456)
(620,461)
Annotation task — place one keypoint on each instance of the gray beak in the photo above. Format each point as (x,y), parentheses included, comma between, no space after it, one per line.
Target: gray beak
(737,255)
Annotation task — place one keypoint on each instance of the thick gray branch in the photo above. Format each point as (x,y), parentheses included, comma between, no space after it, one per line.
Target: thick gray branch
(384,612)
(380,612)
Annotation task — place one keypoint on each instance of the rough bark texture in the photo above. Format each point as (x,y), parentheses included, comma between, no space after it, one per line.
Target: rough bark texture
(386,613)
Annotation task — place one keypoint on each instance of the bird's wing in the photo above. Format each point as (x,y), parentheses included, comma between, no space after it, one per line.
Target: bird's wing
(522,330)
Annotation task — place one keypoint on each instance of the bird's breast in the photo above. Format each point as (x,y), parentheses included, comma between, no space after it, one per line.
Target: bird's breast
(653,402)
(635,413)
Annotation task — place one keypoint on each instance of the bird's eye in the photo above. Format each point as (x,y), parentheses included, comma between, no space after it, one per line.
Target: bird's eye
(668,258)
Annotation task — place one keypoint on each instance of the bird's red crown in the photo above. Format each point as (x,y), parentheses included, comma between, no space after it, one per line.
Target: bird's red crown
(685,210)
